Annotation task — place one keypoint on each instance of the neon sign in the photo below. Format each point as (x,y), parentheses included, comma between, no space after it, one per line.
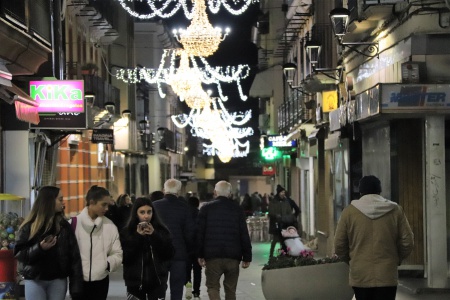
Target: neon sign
(61,96)
(270,153)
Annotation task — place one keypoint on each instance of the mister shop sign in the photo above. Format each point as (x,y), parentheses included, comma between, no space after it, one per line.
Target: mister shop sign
(61,103)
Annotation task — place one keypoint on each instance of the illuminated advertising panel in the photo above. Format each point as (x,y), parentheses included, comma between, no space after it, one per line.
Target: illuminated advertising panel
(280,141)
(61,103)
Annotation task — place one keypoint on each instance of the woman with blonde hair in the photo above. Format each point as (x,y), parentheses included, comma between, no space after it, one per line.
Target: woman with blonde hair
(48,251)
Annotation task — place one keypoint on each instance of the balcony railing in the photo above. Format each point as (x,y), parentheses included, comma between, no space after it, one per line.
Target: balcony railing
(292,112)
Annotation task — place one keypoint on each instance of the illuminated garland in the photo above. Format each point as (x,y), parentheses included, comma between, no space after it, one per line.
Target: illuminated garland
(208,74)
(216,124)
(167,8)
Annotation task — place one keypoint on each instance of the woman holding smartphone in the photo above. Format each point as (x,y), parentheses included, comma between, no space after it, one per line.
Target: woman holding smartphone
(147,251)
(48,250)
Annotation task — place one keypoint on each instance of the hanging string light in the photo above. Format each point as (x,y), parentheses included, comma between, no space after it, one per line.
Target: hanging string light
(200,38)
(166,70)
(167,8)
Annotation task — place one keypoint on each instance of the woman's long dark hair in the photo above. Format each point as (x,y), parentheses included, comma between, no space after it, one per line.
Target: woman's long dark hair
(121,200)
(134,220)
(43,213)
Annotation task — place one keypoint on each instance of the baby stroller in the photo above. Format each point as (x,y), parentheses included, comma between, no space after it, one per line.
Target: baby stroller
(292,241)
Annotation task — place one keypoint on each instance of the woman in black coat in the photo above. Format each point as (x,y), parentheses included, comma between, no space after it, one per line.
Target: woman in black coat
(147,251)
(47,249)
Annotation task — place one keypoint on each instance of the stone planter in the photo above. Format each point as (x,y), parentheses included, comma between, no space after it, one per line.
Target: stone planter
(319,282)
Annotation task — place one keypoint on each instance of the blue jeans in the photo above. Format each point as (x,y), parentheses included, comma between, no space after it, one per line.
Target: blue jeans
(55,289)
(177,279)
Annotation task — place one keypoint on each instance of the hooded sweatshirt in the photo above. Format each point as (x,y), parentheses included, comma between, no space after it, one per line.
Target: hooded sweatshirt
(374,206)
(373,236)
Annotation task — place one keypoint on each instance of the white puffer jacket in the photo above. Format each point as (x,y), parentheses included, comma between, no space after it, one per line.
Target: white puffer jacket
(99,245)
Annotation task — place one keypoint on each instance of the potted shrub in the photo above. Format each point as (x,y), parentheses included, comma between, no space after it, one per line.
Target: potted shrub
(89,69)
(304,277)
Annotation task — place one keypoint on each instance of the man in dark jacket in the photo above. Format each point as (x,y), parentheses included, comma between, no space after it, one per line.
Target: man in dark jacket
(175,214)
(223,242)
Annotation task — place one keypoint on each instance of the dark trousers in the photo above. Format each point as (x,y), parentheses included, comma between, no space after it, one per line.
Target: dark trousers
(375,293)
(95,290)
(277,238)
(177,279)
(157,293)
(192,266)
(214,270)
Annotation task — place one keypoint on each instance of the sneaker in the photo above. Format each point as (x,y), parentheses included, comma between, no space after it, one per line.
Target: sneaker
(188,294)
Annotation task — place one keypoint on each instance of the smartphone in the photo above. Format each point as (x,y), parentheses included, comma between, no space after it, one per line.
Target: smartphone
(143,225)
(48,238)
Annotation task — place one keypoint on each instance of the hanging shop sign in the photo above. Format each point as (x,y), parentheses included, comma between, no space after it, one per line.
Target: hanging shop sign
(105,136)
(329,101)
(268,170)
(280,141)
(270,153)
(61,103)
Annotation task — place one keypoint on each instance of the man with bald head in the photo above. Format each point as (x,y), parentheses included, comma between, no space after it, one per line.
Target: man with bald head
(175,214)
(223,242)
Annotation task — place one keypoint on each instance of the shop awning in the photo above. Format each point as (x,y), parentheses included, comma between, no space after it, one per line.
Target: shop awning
(26,107)
(11,197)
(306,128)
(316,134)
(263,83)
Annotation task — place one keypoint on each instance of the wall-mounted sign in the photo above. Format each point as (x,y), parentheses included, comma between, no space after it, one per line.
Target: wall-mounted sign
(61,103)
(105,136)
(268,170)
(415,96)
(329,101)
(280,141)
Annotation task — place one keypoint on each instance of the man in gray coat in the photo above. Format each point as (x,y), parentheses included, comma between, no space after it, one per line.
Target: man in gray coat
(373,236)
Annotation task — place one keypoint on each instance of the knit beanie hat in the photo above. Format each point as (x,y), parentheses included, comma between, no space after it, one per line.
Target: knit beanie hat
(280,189)
(369,185)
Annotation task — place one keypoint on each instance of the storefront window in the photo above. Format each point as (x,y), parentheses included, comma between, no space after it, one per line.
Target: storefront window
(341,175)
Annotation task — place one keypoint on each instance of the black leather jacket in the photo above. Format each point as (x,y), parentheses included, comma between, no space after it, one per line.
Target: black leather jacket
(61,261)
(159,250)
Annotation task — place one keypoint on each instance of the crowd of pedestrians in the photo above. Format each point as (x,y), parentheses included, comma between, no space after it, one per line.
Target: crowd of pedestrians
(160,239)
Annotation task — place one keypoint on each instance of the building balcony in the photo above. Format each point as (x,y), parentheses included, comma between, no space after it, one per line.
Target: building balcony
(99,18)
(25,32)
(367,15)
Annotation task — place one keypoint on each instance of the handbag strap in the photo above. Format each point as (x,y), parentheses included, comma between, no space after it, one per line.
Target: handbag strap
(73,224)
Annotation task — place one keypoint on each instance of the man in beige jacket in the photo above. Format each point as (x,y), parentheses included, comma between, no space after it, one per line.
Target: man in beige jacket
(373,236)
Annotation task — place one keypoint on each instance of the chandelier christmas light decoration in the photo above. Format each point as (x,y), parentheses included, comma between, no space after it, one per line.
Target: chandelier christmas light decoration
(187,84)
(200,38)
(167,8)
(218,125)
(166,70)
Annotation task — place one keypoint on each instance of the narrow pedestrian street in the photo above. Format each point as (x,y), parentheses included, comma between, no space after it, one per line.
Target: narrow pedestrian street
(249,287)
